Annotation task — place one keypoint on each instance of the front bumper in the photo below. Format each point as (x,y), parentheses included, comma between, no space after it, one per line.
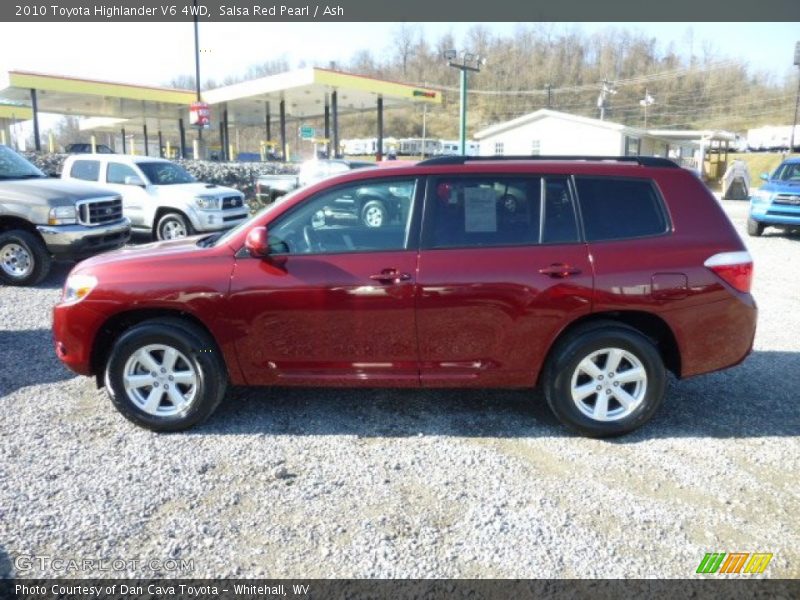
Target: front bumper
(75,327)
(219,219)
(775,211)
(81,241)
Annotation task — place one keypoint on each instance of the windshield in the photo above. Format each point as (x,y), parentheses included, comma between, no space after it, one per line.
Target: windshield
(14,166)
(223,239)
(165,173)
(787,172)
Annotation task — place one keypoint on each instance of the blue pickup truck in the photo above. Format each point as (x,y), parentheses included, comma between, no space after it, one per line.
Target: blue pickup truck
(777,202)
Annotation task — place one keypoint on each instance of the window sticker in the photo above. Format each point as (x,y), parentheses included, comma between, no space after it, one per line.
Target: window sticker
(480,210)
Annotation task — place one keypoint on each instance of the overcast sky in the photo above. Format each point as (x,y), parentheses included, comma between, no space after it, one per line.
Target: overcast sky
(153,53)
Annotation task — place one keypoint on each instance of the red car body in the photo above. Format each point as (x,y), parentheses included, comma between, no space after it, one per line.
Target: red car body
(459,317)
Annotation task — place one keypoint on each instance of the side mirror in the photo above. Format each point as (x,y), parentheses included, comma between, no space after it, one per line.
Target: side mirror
(764,176)
(134,180)
(257,242)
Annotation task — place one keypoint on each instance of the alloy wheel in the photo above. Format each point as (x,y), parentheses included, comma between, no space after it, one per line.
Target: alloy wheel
(160,380)
(609,384)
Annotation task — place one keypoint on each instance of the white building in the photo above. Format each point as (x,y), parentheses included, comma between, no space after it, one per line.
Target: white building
(552,132)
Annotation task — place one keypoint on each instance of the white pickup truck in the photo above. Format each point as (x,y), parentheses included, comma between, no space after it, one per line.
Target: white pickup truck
(160,196)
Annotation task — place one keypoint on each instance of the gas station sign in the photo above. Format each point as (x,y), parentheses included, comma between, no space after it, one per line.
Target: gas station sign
(199,115)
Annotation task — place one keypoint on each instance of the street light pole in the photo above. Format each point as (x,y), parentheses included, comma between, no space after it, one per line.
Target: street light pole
(462,122)
(469,62)
(197,64)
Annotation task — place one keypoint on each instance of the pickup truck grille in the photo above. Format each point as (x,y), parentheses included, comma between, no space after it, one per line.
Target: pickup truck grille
(232,202)
(99,211)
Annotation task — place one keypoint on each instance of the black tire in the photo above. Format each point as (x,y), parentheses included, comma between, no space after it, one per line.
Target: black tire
(202,356)
(563,363)
(754,228)
(173,221)
(374,214)
(36,251)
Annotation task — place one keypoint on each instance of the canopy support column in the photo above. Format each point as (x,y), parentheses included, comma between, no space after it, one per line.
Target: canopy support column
(37,143)
(267,121)
(182,132)
(284,145)
(379,149)
(226,149)
(335,117)
(327,127)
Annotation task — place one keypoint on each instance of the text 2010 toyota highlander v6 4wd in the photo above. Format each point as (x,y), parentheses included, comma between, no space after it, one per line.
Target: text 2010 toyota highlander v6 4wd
(589,277)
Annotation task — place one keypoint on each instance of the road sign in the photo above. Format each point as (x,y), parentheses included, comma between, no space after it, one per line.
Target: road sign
(307,132)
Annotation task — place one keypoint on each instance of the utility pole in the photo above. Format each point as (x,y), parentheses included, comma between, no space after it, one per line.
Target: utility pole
(549,89)
(797,98)
(646,101)
(602,100)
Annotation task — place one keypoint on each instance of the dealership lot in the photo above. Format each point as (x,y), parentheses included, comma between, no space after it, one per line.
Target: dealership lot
(399,483)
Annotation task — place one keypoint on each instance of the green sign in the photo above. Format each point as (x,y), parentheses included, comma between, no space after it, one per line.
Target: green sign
(307,132)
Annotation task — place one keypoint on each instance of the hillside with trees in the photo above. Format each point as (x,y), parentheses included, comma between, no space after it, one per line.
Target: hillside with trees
(543,65)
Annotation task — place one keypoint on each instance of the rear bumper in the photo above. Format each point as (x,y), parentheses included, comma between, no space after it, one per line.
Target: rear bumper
(714,336)
(81,241)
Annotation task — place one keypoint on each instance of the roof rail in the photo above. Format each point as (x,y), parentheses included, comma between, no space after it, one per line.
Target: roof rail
(645,161)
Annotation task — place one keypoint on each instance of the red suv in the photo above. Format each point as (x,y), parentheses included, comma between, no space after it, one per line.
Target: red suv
(591,277)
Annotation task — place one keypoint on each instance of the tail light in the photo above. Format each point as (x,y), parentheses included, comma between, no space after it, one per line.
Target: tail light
(735,268)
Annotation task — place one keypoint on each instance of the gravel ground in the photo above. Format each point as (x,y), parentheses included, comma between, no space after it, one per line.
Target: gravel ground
(340,483)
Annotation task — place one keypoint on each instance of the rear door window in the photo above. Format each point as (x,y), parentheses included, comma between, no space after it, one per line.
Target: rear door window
(117,172)
(88,170)
(618,209)
(490,211)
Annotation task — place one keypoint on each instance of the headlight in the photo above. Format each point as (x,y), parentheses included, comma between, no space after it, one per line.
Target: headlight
(62,215)
(760,196)
(208,202)
(78,287)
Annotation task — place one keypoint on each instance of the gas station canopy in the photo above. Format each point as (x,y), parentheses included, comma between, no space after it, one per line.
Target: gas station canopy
(300,94)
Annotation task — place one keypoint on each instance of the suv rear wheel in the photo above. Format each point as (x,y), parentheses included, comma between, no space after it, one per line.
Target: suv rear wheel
(165,376)
(604,380)
(24,260)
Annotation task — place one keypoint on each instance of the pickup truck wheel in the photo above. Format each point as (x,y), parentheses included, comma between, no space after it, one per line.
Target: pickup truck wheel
(173,226)
(374,214)
(165,377)
(604,381)
(754,228)
(24,259)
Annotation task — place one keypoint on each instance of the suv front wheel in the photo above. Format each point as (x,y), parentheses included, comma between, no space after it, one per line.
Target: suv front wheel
(604,380)
(173,226)
(754,228)
(165,375)
(374,214)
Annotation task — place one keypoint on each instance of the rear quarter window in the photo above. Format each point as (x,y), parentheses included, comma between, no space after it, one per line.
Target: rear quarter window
(618,209)
(88,170)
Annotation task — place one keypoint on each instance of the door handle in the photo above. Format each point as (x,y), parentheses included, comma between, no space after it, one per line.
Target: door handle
(559,270)
(390,276)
